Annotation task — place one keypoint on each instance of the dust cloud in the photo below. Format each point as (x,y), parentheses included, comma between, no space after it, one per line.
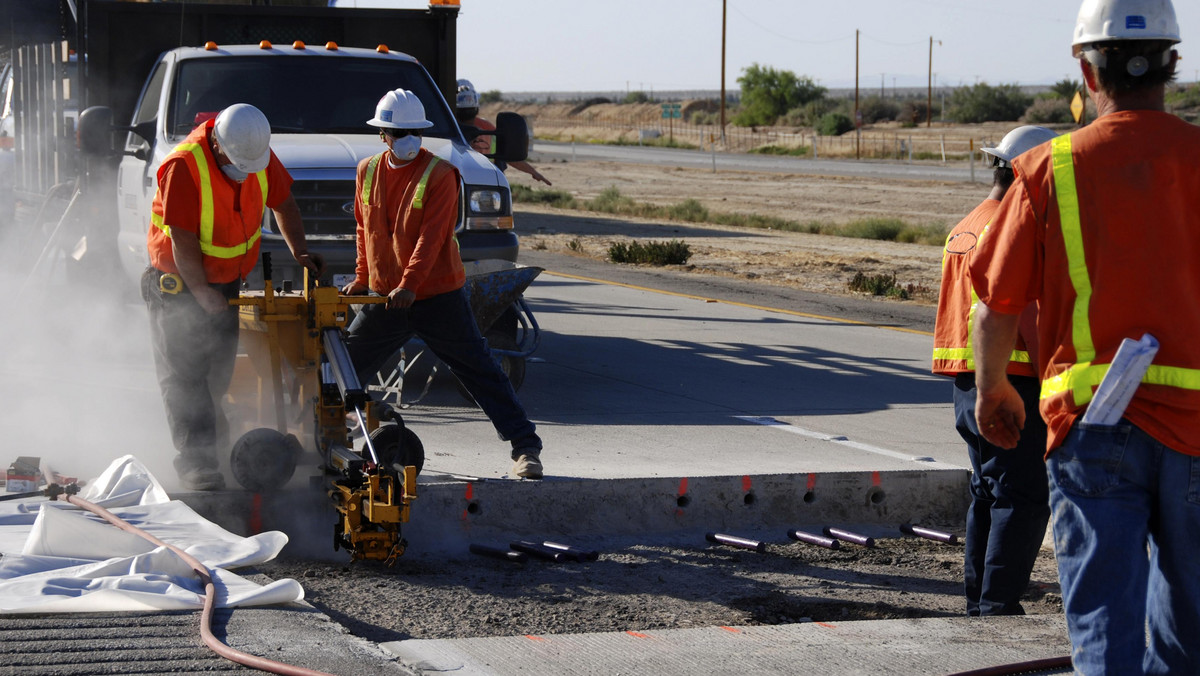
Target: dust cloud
(77,381)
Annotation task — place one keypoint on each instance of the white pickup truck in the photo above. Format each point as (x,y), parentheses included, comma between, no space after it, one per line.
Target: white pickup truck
(318,99)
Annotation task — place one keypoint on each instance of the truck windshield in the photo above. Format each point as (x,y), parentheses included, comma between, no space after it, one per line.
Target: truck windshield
(302,94)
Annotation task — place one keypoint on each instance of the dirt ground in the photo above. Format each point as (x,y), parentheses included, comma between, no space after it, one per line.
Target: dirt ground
(637,587)
(818,263)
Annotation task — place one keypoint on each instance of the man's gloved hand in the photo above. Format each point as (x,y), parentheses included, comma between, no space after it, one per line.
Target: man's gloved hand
(315,263)
(354,289)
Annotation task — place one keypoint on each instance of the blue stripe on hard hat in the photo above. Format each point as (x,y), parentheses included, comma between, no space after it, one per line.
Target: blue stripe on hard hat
(385,115)
(1134,21)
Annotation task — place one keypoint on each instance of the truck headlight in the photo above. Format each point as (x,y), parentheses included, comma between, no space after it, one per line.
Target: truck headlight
(488,209)
(486,202)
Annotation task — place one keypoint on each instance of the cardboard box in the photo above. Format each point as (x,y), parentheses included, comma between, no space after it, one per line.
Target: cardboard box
(23,475)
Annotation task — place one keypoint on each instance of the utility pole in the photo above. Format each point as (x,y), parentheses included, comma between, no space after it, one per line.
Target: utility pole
(723,3)
(929,98)
(857,125)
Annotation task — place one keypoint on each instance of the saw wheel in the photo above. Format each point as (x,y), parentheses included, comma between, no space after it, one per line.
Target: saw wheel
(264,459)
(398,447)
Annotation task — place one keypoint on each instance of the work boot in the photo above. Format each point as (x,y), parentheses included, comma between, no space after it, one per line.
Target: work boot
(202,479)
(527,465)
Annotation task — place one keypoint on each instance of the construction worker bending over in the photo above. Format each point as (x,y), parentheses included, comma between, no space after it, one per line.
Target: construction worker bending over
(1006,522)
(1100,227)
(466,110)
(203,241)
(406,204)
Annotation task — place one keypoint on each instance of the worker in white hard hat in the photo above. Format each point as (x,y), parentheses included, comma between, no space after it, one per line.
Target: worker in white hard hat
(1100,229)
(1006,519)
(466,110)
(203,240)
(406,202)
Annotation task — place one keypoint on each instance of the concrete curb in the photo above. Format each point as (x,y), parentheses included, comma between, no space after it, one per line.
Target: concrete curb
(449,514)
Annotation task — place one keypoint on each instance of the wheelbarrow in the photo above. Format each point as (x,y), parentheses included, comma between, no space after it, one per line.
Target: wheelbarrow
(494,288)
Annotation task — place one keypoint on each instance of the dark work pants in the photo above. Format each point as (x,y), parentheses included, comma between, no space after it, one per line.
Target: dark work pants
(194,354)
(1006,522)
(446,325)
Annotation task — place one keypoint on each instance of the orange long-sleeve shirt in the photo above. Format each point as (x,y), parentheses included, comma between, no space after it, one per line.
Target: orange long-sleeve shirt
(399,244)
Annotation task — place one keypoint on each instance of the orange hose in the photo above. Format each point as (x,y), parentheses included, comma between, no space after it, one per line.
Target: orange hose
(214,643)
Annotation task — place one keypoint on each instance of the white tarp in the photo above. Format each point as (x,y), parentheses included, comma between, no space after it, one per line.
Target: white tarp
(56,558)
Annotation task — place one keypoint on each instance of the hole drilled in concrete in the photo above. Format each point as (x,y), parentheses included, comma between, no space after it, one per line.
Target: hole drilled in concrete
(809,496)
(473,508)
(683,500)
(749,499)
(876,496)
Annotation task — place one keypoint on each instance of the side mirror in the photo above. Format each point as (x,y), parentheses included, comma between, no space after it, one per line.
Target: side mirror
(512,137)
(95,131)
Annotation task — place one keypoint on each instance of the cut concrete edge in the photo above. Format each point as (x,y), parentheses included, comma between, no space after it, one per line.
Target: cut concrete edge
(922,645)
(449,514)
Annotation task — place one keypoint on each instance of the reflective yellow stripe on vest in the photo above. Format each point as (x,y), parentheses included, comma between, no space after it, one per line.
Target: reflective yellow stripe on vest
(205,235)
(1082,376)
(418,196)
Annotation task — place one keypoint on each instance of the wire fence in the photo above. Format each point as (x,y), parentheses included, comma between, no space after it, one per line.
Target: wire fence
(904,145)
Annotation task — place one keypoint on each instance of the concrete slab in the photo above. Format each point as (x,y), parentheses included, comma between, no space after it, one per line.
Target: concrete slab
(920,646)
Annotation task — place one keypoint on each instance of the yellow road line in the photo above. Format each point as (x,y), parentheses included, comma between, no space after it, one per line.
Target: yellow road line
(764,308)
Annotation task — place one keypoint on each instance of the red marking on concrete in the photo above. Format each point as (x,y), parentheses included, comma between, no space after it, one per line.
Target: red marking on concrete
(827,626)
(638,635)
(531,637)
(732,630)
(874,478)
(254,523)
(683,486)
(470,491)
(746,484)
(812,480)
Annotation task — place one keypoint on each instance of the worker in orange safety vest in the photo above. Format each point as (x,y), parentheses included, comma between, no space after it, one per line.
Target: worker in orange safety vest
(203,240)
(1101,229)
(406,202)
(1006,520)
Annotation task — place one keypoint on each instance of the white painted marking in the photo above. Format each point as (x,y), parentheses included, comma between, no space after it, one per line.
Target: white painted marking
(839,439)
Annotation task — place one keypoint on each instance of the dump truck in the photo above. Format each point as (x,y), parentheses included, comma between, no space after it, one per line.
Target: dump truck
(144,74)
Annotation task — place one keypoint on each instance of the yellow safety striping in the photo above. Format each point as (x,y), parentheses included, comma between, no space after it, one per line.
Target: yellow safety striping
(794,313)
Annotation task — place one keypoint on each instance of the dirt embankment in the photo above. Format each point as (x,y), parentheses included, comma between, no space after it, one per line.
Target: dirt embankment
(818,263)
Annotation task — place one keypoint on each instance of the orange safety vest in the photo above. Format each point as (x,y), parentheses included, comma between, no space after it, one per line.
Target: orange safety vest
(953,352)
(387,247)
(229,237)
(1073,387)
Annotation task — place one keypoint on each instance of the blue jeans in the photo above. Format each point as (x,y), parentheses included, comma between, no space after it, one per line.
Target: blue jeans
(447,327)
(1006,522)
(1126,518)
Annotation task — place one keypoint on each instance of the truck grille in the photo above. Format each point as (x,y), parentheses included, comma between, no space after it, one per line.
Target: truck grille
(327,207)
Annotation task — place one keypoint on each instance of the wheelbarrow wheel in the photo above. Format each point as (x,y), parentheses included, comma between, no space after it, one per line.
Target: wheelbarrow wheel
(398,447)
(513,367)
(263,459)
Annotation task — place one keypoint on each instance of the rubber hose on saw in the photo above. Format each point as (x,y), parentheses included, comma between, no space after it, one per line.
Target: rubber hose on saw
(214,643)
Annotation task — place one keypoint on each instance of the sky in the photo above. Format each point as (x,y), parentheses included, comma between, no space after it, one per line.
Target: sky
(665,45)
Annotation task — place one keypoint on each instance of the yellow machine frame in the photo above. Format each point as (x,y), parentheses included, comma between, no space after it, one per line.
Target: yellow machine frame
(279,378)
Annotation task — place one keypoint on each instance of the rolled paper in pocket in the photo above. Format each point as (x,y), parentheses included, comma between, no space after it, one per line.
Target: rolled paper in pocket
(1124,375)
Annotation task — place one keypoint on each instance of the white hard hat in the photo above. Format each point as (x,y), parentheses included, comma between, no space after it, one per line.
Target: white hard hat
(244,136)
(1016,142)
(467,96)
(400,109)
(1102,20)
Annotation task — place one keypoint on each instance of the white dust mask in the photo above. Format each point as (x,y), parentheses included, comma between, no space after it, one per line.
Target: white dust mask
(405,149)
(233,172)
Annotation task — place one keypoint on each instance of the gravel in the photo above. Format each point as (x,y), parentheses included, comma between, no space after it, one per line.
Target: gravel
(643,586)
